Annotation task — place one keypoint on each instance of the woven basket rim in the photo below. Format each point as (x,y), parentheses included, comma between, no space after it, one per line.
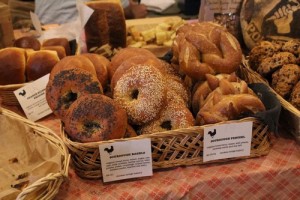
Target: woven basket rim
(287,105)
(49,135)
(12,86)
(170,133)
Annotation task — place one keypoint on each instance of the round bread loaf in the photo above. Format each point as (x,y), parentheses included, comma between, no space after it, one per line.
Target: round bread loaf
(95,117)
(58,42)
(28,42)
(40,63)
(60,50)
(12,65)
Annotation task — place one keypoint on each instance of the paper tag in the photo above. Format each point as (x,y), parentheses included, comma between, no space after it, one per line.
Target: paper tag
(227,141)
(32,98)
(125,160)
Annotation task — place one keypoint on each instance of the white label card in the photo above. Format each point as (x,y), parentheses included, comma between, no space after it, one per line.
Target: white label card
(32,98)
(227,141)
(125,160)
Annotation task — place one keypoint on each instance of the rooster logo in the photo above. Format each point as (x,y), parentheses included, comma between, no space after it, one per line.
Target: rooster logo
(212,133)
(109,150)
(22,93)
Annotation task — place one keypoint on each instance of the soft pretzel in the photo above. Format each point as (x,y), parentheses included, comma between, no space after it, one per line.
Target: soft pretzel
(204,88)
(229,107)
(205,48)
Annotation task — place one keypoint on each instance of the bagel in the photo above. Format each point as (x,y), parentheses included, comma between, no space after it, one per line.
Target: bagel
(95,117)
(68,85)
(124,54)
(141,91)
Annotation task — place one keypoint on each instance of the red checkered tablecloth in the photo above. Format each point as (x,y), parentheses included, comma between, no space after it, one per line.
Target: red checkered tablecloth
(275,176)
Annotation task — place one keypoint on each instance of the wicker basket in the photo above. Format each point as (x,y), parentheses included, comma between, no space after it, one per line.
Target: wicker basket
(48,186)
(290,116)
(180,147)
(7,94)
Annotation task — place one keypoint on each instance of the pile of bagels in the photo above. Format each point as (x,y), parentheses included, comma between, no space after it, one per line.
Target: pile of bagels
(136,93)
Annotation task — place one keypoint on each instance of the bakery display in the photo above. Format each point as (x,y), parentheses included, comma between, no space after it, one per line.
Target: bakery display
(106,25)
(280,67)
(40,63)
(13,65)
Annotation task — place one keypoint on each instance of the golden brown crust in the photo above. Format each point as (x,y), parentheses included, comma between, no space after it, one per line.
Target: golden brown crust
(58,42)
(28,42)
(68,85)
(100,63)
(40,63)
(125,54)
(12,67)
(70,62)
(229,107)
(60,50)
(136,61)
(95,117)
(206,48)
(130,132)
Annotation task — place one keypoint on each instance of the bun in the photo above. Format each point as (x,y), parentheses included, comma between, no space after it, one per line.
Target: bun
(58,42)
(12,65)
(60,50)
(205,48)
(40,63)
(106,25)
(28,42)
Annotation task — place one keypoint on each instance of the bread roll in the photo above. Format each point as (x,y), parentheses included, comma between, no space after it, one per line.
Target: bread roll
(40,63)
(60,50)
(28,42)
(58,42)
(106,25)
(12,65)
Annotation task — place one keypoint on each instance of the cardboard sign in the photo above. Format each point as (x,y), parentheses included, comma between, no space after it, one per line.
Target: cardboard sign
(32,98)
(227,141)
(125,160)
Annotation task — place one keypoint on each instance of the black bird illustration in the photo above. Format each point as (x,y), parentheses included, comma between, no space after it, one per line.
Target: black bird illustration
(22,93)
(109,150)
(212,133)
